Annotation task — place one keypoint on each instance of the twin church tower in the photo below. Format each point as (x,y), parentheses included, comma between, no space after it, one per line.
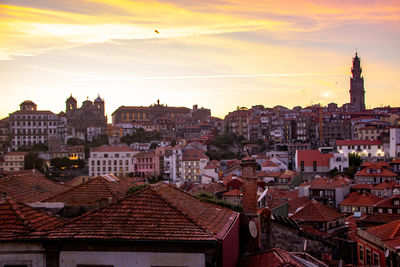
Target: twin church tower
(357,92)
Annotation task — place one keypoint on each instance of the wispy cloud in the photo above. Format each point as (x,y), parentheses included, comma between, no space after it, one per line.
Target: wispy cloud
(218,76)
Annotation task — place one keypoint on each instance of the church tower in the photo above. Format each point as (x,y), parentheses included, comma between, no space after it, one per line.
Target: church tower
(357,93)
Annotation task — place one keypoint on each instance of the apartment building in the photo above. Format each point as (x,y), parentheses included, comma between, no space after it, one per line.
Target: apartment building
(13,161)
(29,126)
(117,160)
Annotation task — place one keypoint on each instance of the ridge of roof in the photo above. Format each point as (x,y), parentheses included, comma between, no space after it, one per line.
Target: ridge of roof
(24,220)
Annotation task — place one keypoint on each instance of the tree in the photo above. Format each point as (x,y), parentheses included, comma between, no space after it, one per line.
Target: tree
(173,143)
(32,161)
(39,147)
(355,160)
(75,141)
(153,146)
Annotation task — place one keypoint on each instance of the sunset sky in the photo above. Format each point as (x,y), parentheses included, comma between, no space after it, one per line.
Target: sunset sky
(218,54)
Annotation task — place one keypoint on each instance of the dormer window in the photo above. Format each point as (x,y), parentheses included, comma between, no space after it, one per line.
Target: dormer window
(396,202)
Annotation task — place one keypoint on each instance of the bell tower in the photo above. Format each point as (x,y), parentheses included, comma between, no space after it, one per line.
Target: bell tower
(357,93)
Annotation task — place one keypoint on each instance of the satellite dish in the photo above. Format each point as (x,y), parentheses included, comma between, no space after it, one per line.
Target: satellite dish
(253,229)
(387,253)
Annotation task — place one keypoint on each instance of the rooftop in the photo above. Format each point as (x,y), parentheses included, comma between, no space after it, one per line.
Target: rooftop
(157,212)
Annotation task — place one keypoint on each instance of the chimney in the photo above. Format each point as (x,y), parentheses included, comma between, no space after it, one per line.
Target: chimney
(249,219)
(249,186)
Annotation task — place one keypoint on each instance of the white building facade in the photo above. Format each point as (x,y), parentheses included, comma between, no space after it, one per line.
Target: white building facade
(117,160)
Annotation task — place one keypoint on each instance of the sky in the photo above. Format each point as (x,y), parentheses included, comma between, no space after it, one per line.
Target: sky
(218,54)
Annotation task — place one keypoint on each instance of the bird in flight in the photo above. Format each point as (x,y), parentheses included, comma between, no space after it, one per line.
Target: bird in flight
(156,31)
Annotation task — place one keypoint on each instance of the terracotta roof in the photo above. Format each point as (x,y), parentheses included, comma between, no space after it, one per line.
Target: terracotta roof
(329,183)
(233,192)
(193,155)
(384,172)
(209,188)
(30,186)
(379,164)
(269,163)
(33,112)
(112,149)
(296,203)
(386,231)
(381,218)
(385,185)
(362,186)
(360,200)
(309,156)
(357,142)
(157,212)
(272,257)
(145,155)
(395,161)
(314,211)
(387,202)
(91,192)
(18,219)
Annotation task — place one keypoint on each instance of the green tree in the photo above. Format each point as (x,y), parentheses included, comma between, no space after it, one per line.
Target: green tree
(39,147)
(32,161)
(153,146)
(75,141)
(354,160)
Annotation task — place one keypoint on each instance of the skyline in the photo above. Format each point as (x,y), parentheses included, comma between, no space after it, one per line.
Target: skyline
(217,54)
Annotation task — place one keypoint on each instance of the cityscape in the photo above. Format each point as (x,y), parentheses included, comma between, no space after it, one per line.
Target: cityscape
(226,166)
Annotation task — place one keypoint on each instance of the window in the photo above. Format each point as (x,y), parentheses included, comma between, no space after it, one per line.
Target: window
(302,166)
(361,253)
(117,155)
(376,259)
(396,202)
(380,210)
(314,166)
(106,155)
(368,254)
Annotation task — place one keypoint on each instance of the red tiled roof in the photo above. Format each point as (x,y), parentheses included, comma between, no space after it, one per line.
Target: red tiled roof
(212,188)
(385,185)
(272,257)
(378,164)
(18,219)
(329,183)
(384,172)
(387,202)
(269,163)
(362,186)
(193,155)
(295,203)
(30,186)
(233,192)
(314,211)
(91,192)
(157,212)
(360,200)
(395,161)
(309,156)
(386,231)
(112,149)
(145,155)
(357,142)
(381,218)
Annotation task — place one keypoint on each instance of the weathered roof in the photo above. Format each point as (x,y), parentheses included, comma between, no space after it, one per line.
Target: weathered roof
(360,200)
(30,186)
(309,156)
(157,212)
(18,219)
(386,231)
(329,183)
(314,211)
(92,192)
